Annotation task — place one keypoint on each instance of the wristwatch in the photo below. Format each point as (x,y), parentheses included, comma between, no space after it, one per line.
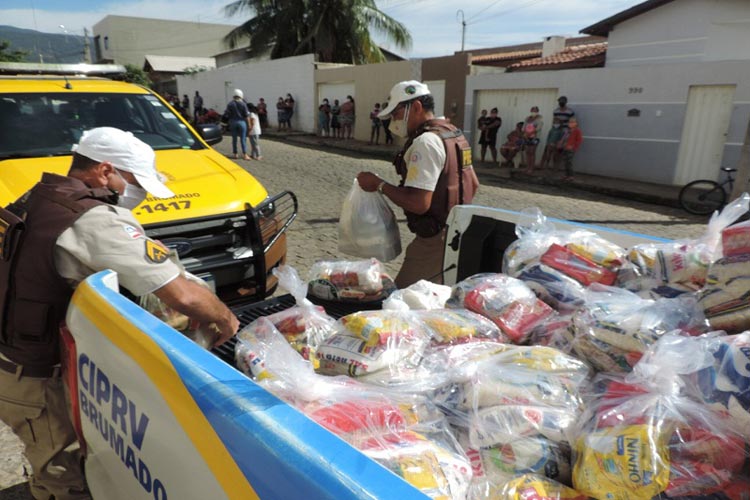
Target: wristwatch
(380,187)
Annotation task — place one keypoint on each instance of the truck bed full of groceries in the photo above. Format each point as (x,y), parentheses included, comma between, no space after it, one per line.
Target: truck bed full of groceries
(583,370)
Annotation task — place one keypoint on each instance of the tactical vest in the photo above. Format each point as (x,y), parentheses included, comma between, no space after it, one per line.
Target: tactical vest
(455,185)
(33,296)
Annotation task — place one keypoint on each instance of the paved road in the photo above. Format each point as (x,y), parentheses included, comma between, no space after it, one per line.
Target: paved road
(321,180)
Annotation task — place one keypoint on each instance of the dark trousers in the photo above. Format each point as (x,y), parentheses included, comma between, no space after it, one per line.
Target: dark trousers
(568,158)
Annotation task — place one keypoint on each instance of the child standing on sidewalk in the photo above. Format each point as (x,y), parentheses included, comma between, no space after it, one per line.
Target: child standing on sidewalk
(553,147)
(571,142)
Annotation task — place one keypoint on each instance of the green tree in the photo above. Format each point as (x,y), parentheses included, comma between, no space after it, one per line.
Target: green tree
(134,74)
(333,30)
(14,56)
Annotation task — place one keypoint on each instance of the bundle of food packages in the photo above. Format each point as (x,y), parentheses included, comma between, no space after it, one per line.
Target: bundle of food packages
(421,295)
(506,301)
(726,295)
(205,335)
(644,436)
(614,326)
(513,411)
(723,381)
(671,268)
(350,281)
(559,265)
(407,434)
(526,487)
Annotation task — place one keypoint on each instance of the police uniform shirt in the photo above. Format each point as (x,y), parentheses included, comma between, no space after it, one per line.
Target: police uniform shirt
(425,160)
(109,237)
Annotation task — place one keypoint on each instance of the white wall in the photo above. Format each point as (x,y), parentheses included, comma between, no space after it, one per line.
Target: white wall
(683,31)
(645,147)
(267,79)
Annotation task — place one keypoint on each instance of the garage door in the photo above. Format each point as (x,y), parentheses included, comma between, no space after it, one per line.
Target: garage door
(335,90)
(513,107)
(704,133)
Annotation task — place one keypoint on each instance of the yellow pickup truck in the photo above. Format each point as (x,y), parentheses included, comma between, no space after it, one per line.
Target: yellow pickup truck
(221,222)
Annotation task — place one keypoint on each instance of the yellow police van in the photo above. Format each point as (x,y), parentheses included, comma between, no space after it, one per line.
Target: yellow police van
(221,222)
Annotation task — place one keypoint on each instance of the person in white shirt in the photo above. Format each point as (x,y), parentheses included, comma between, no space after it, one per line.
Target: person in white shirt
(436,174)
(254,132)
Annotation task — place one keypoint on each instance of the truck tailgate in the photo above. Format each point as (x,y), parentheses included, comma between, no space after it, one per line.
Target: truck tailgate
(161,417)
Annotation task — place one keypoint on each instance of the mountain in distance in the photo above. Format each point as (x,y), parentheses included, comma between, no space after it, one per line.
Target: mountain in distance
(45,47)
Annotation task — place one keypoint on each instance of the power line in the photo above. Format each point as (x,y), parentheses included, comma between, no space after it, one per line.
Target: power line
(485,9)
(514,9)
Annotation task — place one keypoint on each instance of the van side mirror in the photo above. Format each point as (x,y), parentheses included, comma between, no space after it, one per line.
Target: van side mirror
(210,132)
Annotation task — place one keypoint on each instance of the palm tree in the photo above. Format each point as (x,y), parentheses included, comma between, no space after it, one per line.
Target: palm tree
(334,30)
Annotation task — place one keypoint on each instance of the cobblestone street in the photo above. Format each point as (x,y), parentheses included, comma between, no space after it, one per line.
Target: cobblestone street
(321,180)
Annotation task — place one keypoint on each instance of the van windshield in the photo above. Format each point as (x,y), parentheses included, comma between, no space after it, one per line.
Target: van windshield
(34,124)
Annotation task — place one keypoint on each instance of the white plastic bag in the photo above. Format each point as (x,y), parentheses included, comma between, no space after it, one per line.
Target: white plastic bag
(368,227)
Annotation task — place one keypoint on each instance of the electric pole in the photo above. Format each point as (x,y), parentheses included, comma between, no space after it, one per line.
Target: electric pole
(463,27)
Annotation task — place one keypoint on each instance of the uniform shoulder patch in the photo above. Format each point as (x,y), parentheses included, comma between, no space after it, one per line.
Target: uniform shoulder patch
(132,231)
(155,252)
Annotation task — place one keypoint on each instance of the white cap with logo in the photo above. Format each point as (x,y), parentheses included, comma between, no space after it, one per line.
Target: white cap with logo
(401,92)
(238,93)
(125,152)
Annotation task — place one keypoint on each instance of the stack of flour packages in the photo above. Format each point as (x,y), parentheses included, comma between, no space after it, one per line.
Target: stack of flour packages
(584,370)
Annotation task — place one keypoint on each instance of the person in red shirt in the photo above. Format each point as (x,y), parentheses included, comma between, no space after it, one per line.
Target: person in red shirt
(571,142)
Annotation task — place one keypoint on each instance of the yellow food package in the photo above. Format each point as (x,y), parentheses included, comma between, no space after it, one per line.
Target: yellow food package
(535,486)
(376,327)
(607,257)
(622,463)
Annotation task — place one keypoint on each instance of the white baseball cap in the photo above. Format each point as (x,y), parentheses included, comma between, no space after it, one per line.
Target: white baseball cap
(125,152)
(401,92)
(238,93)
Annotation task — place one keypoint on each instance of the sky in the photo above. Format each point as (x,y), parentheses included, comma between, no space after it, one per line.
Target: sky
(435,25)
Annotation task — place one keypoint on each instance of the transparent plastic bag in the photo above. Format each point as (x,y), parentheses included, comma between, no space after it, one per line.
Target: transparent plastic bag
(527,486)
(368,226)
(683,265)
(306,325)
(615,326)
(421,295)
(558,265)
(367,342)
(515,409)
(458,326)
(349,281)
(646,434)
(725,299)
(506,301)
(202,334)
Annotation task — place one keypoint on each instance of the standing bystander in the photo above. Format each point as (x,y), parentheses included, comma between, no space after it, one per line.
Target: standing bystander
(563,112)
(386,122)
(239,119)
(532,131)
(493,125)
(482,129)
(335,124)
(572,140)
(253,132)
(262,113)
(375,124)
(553,147)
(347,117)
(197,106)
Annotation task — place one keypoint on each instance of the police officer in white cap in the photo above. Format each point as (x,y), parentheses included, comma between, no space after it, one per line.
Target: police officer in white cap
(436,175)
(74,226)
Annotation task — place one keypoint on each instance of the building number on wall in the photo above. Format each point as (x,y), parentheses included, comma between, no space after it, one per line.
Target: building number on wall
(635,90)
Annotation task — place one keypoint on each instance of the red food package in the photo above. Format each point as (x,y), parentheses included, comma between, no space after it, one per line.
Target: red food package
(516,319)
(356,415)
(576,266)
(735,239)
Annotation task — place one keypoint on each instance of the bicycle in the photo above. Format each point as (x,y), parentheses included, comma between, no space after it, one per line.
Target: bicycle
(703,197)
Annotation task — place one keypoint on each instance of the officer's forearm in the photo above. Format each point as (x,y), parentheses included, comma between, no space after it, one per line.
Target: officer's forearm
(198,303)
(410,199)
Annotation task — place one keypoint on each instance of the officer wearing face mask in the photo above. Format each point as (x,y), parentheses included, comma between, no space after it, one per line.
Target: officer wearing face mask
(436,174)
(57,234)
